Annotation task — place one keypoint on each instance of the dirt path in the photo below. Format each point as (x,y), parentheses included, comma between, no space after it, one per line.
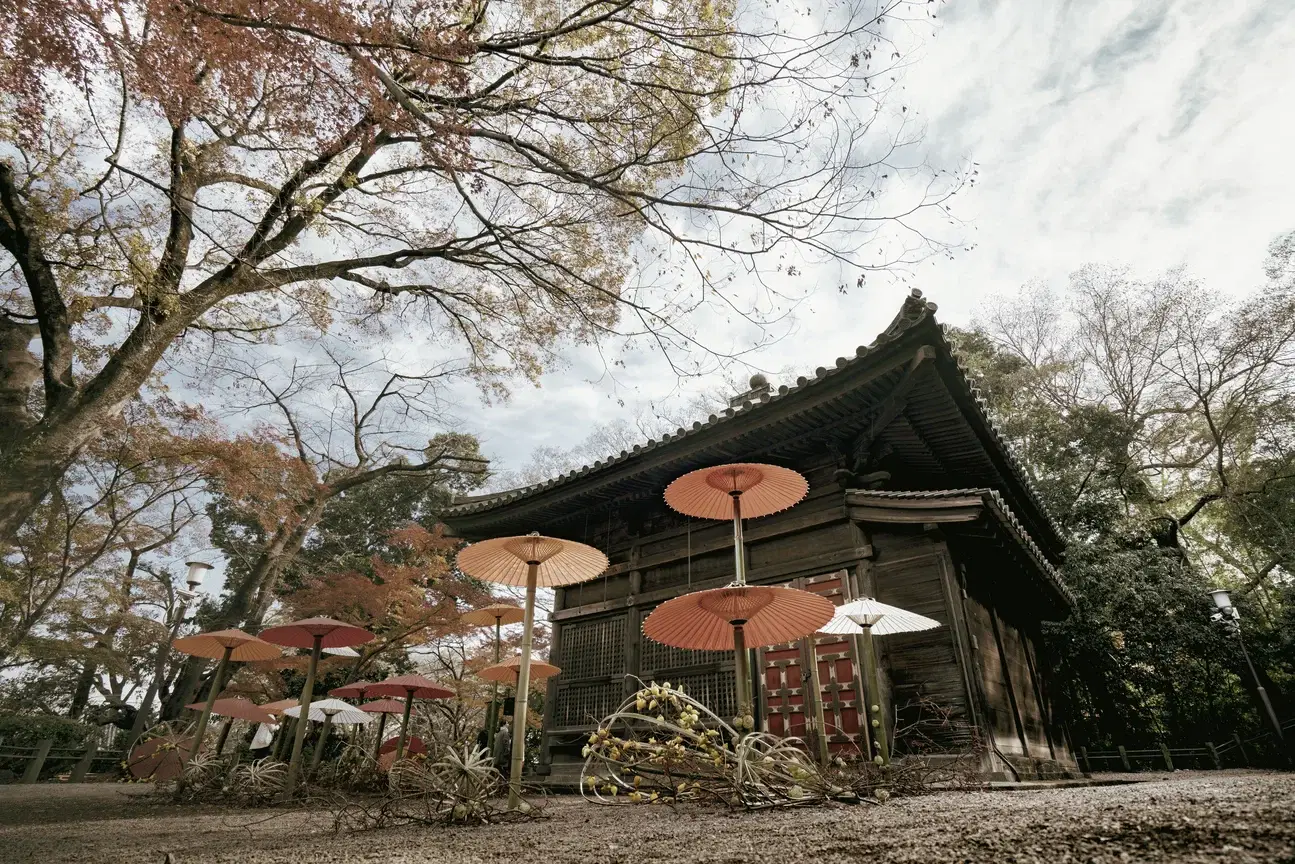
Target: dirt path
(1231,816)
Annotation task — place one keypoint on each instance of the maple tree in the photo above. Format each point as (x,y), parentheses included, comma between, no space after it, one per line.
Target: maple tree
(335,442)
(132,493)
(498,179)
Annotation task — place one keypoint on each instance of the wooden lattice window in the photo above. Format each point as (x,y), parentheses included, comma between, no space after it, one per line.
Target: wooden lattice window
(593,649)
(656,656)
(716,690)
(586,704)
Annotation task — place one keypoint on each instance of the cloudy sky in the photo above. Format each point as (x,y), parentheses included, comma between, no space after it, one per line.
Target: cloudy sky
(1146,133)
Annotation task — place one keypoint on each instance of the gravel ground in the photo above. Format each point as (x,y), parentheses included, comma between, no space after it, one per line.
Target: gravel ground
(1233,816)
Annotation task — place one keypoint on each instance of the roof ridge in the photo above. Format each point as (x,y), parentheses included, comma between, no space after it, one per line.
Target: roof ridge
(1026,483)
(913,310)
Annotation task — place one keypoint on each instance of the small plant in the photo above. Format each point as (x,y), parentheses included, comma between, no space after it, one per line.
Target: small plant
(459,786)
(259,782)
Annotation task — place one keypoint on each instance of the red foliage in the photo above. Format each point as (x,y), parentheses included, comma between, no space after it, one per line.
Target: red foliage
(192,57)
(413,601)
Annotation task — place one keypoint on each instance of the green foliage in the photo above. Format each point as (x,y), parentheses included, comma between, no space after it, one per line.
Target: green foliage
(27,730)
(1157,420)
(1139,659)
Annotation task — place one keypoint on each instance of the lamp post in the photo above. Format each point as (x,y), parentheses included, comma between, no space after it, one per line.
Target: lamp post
(194,580)
(1229,618)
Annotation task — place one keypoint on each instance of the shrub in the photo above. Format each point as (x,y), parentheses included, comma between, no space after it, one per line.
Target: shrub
(27,730)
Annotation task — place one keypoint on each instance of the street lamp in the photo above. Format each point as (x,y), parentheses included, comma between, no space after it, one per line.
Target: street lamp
(1229,618)
(197,569)
(194,577)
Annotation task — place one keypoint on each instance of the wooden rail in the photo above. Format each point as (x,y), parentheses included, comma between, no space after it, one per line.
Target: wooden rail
(1237,752)
(44,750)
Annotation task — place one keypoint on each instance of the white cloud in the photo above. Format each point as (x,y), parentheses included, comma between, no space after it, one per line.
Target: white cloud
(1153,134)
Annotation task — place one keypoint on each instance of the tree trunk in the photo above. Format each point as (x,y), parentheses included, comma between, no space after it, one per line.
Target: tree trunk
(81,695)
(28,473)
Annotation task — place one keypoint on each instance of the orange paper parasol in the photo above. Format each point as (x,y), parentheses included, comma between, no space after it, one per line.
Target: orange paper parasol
(354,690)
(237,708)
(497,615)
(768,615)
(382,707)
(711,493)
(531,560)
(735,491)
(315,634)
(330,633)
(508,671)
(410,687)
(234,708)
(277,708)
(242,647)
(226,645)
(508,561)
(160,759)
(413,746)
(387,755)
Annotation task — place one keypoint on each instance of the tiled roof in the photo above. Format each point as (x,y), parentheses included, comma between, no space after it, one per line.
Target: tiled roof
(913,311)
(994,502)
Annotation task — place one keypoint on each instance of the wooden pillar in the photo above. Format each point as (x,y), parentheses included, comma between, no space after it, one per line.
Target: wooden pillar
(551,688)
(1214,755)
(1083,760)
(859,584)
(32,774)
(633,626)
(1027,645)
(1169,760)
(1241,748)
(1124,759)
(82,767)
(1007,678)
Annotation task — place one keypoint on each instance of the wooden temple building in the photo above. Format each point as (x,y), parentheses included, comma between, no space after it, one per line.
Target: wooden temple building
(914,500)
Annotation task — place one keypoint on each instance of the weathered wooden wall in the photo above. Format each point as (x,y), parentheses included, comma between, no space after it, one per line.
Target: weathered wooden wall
(980,665)
(1013,686)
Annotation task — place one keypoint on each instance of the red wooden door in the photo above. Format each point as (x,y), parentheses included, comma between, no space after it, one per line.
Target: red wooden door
(787,690)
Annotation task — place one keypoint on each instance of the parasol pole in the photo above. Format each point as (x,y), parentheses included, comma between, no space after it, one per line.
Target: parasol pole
(299,736)
(211,699)
(323,737)
(523,690)
(382,724)
(492,718)
(741,660)
(874,686)
(224,733)
(742,675)
(739,546)
(404,722)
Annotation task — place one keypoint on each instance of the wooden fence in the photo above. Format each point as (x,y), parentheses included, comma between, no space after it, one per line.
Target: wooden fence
(1260,750)
(83,760)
